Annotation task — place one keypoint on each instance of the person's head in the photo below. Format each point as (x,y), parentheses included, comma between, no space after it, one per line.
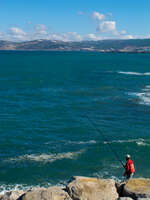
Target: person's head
(128,157)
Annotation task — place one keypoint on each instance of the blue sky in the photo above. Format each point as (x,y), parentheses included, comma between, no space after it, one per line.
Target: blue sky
(74,19)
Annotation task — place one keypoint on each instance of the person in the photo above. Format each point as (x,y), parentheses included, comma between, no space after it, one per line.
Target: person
(129,168)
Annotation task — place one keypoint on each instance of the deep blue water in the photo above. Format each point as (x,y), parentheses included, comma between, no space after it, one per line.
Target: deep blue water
(45,98)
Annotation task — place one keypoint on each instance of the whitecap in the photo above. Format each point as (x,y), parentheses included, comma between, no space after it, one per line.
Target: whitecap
(147,73)
(143,96)
(130,73)
(6,188)
(148,86)
(135,73)
(82,142)
(115,166)
(125,141)
(47,157)
(23,187)
(145,100)
(68,142)
(141,143)
(105,174)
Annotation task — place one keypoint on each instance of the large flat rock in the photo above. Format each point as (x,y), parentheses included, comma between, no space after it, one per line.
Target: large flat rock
(137,188)
(51,193)
(84,188)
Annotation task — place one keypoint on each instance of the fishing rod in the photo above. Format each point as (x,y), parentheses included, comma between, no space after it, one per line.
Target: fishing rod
(105,139)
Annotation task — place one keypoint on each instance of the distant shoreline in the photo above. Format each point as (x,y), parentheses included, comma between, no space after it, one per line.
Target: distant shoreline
(101,46)
(57,50)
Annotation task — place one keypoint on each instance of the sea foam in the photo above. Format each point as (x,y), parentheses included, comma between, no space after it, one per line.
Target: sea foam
(141,143)
(6,188)
(24,187)
(82,142)
(47,157)
(125,141)
(143,95)
(138,141)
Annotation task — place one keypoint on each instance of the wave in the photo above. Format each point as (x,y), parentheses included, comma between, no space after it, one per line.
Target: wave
(82,142)
(148,86)
(125,141)
(147,73)
(139,142)
(135,73)
(144,95)
(24,187)
(7,188)
(47,157)
(68,142)
(106,174)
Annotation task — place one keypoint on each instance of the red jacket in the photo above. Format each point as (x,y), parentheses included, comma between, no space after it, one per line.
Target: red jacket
(129,167)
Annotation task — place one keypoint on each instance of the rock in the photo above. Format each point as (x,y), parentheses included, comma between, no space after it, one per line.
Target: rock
(84,188)
(124,198)
(143,198)
(13,195)
(51,193)
(137,188)
(120,187)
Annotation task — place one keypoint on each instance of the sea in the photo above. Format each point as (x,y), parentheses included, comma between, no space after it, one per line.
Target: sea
(65,114)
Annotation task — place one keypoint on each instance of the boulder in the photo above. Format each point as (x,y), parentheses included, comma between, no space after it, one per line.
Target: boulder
(120,187)
(51,193)
(137,188)
(13,195)
(125,198)
(84,188)
(143,199)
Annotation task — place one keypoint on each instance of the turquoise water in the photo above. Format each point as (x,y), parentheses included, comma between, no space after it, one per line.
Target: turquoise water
(44,100)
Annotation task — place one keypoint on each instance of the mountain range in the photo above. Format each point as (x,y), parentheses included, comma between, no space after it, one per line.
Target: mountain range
(131,45)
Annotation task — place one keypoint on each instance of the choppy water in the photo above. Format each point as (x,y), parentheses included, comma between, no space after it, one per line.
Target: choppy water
(44,98)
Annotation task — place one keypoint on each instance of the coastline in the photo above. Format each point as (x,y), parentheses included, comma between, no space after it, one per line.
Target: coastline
(85,188)
(77,50)
(103,46)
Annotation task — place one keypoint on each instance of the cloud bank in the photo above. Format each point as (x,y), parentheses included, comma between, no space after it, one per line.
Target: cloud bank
(98,16)
(105,28)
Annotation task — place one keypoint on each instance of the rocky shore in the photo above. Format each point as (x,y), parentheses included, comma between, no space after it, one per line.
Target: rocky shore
(85,188)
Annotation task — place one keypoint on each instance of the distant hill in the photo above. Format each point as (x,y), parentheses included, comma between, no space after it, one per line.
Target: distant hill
(132,45)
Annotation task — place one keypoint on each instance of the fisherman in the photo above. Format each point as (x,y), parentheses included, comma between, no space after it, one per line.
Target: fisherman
(129,168)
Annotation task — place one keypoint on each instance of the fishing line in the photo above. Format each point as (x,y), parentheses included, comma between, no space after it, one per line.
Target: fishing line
(105,139)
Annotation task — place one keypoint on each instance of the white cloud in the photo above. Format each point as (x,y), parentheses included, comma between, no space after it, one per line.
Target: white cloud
(17,31)
(92,36)
(107,26)
(72,36)
(15,34)
(106,29)
(98,16)
(123,32)
(68,36)
(41,29)
(39,32)
(127,37)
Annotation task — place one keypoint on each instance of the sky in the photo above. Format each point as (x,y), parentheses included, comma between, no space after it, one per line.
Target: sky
(74,20)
